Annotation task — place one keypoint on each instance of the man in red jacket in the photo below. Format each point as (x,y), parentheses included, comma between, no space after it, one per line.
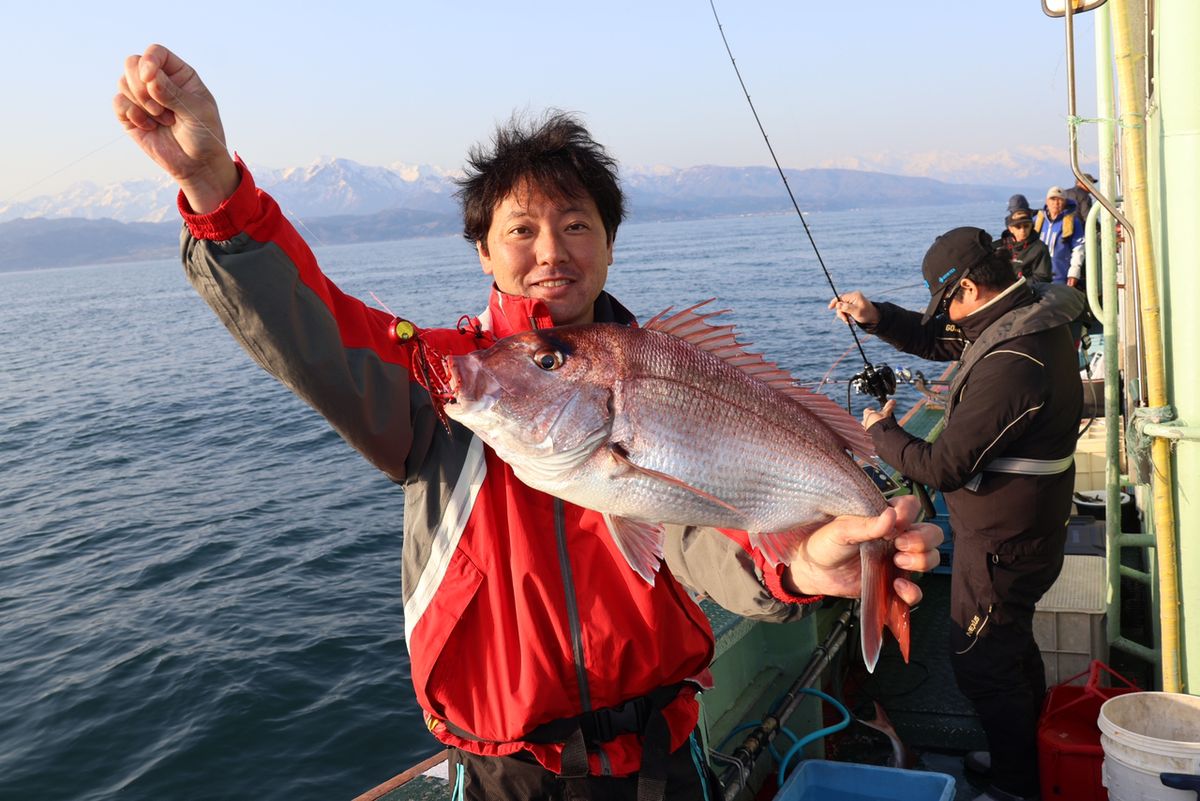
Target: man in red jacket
(537,653)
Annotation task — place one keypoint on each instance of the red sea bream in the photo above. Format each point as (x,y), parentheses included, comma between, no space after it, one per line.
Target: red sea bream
(676,422)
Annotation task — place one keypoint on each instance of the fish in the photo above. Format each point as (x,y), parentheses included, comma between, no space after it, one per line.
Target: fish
(676,422)
(902,755)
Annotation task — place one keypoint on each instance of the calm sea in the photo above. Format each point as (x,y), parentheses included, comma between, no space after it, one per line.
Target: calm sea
(200,582)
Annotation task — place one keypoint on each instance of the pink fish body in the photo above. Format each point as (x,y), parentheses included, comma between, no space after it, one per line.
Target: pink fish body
(677,423)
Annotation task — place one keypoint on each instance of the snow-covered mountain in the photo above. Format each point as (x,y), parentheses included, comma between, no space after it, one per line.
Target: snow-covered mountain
(332,186)
(327,187)
(1035,168)
(150,200)
(339,200)
(338,187)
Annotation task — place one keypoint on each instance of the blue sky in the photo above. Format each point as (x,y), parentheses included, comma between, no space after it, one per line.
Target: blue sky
(418,82)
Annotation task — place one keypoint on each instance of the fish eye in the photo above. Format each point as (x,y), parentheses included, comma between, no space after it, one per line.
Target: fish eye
(548,359)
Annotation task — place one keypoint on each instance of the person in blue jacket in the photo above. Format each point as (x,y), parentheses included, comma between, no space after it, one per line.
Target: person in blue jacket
(1059,229)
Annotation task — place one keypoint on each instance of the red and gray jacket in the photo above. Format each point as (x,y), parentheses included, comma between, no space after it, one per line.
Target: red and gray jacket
(519,610)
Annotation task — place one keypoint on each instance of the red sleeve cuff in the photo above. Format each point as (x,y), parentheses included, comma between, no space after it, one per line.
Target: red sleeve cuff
(772,576)
(231,217)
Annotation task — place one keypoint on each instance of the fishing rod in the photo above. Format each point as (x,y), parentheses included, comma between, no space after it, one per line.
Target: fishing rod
(878,381)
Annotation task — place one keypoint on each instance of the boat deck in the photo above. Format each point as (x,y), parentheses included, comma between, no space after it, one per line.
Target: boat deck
(930,715)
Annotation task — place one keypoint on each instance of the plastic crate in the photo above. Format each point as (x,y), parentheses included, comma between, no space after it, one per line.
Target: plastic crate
(1090,458)
(1085,536)
(820,780)
(1069,751)
(1069,621)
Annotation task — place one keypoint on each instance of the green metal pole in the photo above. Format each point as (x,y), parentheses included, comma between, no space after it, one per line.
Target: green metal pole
(1172,431)
(1106,108)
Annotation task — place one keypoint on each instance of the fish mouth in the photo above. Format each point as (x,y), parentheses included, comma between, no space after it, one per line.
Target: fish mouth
(470,387)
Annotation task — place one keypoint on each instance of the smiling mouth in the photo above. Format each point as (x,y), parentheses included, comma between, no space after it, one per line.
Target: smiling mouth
(555,284)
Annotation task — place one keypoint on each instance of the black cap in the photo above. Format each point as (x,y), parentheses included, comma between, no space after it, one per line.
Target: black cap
(951,256)
(1018,216)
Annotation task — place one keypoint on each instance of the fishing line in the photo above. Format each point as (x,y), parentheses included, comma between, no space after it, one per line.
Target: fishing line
(787,186)
(892,289)
(879,382)
(12,198)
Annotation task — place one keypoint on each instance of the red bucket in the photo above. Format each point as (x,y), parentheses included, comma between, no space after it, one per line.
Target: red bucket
(1069,752)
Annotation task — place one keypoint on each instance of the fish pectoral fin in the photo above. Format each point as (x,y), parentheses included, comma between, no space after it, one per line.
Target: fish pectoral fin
(880,606)
(622,456)
(640,543)
(780,547)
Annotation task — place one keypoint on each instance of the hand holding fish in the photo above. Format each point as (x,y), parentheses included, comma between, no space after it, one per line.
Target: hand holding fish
(173,118)
(831,563)
(854,306)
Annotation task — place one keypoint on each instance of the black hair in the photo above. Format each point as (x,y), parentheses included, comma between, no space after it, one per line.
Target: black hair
(555,154)
(995,272)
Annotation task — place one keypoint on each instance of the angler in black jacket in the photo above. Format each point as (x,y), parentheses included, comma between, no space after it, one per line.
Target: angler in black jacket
(1030,258)
(1005,463)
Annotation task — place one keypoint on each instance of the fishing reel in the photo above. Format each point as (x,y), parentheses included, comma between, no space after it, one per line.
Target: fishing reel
(878,381)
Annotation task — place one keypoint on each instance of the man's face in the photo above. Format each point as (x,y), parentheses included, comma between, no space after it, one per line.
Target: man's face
(558,254)
(1020,230)
(1055,206)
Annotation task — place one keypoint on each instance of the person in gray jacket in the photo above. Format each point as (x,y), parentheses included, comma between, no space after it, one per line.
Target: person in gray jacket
(1005,461)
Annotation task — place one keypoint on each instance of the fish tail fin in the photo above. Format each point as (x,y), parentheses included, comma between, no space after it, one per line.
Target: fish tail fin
(880,606)
(897,621)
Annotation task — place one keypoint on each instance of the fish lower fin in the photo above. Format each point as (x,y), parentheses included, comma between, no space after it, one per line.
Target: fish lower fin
(622,456)
(780,547)
(880,605)
(640,543)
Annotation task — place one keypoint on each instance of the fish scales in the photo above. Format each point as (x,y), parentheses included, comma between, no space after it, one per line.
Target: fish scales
(694,416)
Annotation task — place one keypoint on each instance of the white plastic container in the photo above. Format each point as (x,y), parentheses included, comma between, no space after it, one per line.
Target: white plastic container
(1145,734)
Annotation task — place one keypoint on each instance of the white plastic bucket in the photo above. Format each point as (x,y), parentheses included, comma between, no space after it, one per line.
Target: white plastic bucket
(1145,734)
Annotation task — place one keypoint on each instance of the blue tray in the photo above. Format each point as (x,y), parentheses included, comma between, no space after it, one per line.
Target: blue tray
(819,780)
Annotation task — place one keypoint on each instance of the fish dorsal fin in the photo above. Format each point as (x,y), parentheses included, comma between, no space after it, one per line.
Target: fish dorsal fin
(694,328)
(848,430)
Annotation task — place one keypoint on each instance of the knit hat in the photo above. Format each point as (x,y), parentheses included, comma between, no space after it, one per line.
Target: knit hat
(1017,202)
(949,259)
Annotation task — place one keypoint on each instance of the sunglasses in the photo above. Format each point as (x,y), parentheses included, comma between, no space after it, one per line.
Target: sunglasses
(944,308)
(1021,225)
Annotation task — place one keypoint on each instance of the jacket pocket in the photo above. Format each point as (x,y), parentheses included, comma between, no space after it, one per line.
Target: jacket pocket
(1019,580)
